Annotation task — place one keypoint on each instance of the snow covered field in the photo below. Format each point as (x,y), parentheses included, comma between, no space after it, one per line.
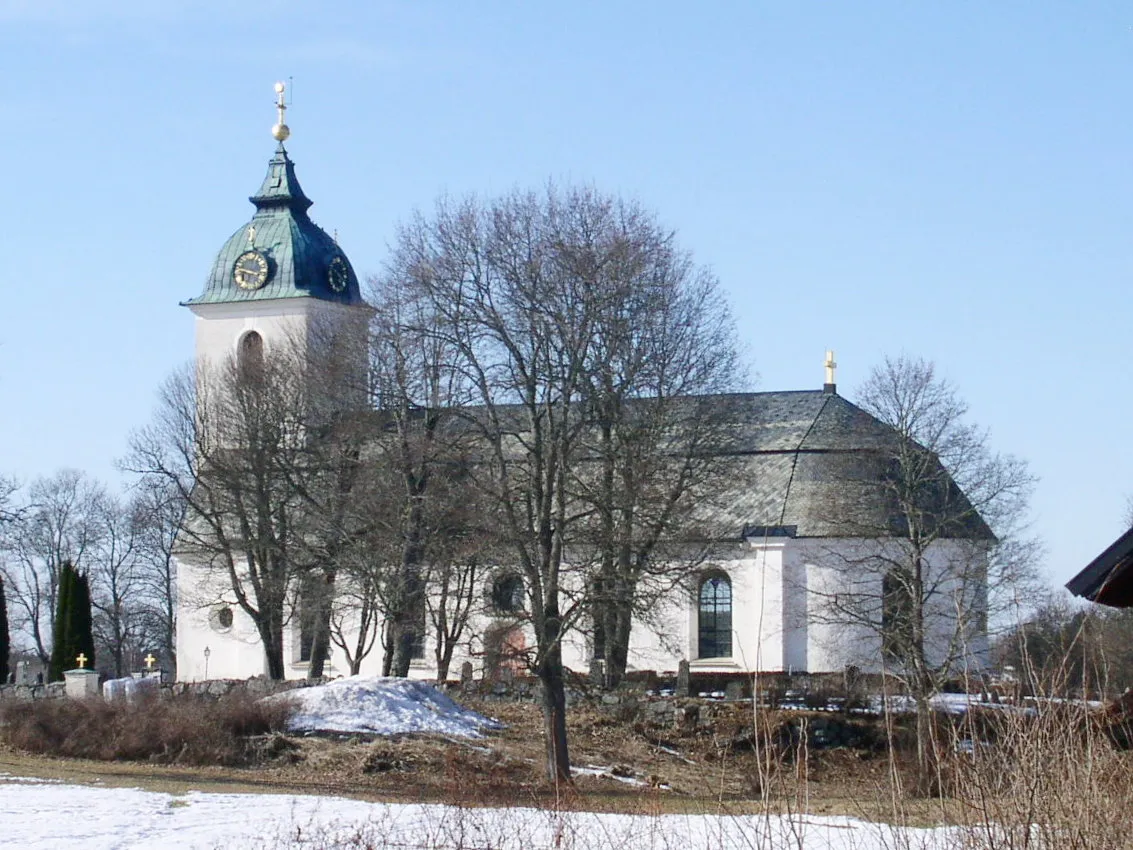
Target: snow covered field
(37,815)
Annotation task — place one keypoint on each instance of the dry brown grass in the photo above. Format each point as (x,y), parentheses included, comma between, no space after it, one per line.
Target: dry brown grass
(183,730)
(1055,778)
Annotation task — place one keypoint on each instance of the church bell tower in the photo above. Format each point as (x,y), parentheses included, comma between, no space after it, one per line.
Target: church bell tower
(280,281)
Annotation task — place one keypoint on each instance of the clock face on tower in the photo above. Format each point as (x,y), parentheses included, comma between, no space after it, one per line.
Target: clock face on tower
(338,275)
(250,271)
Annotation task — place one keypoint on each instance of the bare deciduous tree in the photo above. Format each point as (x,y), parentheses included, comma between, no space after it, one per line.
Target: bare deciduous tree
(56,523)
(8,488)
(233,442)
(562,313)
(424,506)
(158,511)
(1083,647)
(512,300)
(116,592)
(948,554)
(657,444)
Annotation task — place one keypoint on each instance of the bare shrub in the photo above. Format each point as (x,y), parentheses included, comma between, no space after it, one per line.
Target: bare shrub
(183,730)
(1048,776)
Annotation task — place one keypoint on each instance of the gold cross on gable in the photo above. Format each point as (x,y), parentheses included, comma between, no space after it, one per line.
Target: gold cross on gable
(81,660)
(150,661)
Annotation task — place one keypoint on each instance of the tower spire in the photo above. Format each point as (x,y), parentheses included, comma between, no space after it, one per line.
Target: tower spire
(280,253)
(280,132)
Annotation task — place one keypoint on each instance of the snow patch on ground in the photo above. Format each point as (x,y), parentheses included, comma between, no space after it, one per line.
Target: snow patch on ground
(377,705)
(610,773)
(7,777)
(40,816)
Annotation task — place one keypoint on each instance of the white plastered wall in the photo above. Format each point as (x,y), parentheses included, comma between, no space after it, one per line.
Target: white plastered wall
(280,322)
(846,567)
(779,588)
(236,651)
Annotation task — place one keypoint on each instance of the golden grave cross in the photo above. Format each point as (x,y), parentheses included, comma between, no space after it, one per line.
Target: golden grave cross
(82,660)
(150,661)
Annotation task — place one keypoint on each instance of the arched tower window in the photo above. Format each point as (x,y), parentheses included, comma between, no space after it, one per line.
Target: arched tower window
(714,617)
(250,355)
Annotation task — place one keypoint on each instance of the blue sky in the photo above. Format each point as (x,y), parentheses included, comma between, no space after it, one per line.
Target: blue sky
(948,180)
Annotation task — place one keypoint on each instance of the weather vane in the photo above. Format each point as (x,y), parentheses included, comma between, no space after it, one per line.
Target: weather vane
(280,131)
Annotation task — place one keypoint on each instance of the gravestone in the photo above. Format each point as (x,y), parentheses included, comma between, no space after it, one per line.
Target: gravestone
(734,690)
(114,690)
(597,672)
(138,690)
(81,683)
(466,676)
(682,679)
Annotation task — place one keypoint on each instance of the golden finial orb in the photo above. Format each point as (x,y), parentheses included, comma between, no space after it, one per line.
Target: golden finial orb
(280,131)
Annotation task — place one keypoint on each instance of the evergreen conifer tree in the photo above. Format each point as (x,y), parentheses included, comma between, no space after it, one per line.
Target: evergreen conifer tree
(5,645)
(60,632)
(82,625)
(73,633)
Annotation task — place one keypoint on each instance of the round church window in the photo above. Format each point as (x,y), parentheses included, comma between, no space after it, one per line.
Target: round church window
(221,619)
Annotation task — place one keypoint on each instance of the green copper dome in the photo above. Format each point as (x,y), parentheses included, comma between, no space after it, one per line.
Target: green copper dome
(281,253)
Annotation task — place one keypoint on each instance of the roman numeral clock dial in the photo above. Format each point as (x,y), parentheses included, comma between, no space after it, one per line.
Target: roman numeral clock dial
(250,271)
(338,274)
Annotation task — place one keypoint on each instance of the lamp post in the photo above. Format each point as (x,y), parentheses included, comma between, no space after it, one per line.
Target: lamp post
(208,652)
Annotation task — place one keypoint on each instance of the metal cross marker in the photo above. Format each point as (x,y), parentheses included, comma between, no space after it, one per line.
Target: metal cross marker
(150,661)
(830,367)
(81,660)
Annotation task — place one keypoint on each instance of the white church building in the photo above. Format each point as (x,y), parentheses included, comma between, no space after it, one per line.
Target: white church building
(765,600)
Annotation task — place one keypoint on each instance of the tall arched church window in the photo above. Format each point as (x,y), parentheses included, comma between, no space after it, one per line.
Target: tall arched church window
(308,623)
(250,355)
(897,616)
(714,617)
(507,594)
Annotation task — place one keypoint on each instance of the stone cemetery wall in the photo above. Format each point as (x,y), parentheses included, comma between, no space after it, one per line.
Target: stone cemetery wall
(51,690)
(258,686)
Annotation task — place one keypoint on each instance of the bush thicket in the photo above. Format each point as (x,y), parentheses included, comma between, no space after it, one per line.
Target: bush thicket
(187,729)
